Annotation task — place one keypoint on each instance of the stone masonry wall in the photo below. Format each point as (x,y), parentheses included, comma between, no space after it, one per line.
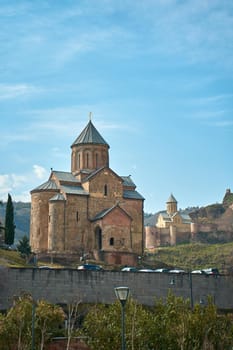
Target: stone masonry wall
(67,285)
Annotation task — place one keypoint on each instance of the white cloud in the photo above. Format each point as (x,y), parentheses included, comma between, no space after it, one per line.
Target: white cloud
(18,180)
(5,186)
(19,185)
(39,171)
(13,91)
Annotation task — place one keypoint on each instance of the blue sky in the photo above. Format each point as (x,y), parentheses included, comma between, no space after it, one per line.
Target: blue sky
(157,76)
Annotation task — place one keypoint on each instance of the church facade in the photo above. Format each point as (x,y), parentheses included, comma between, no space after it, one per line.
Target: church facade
(90,210)
(171,227)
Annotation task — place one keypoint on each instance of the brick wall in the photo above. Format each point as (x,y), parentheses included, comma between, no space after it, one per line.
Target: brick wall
(67,285)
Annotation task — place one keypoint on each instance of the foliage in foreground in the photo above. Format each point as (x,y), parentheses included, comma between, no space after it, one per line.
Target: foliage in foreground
(170,325)
(16,325)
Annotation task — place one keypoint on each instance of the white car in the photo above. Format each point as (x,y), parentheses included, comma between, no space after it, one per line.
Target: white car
(162,270)
(177,271)
(129,269)
(198,272)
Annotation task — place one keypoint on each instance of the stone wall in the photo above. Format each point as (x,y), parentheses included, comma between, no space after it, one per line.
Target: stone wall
(67,285)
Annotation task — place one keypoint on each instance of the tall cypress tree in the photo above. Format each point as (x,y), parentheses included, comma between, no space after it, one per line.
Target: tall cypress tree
(1,227)
(9,222)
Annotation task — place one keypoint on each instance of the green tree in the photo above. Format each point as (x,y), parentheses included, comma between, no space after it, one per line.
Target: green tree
(16,325)
(18,322)
(9,222)
(72,314)
(1,227)
(24,247)
(170,325)
(48,319)
(102,326)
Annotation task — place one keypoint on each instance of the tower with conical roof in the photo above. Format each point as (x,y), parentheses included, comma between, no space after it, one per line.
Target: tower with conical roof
(89,151)
(171,205)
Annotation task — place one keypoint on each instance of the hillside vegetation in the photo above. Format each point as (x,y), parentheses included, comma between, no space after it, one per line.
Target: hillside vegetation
(11,259)
(187,257)
(21,218)
(194,256)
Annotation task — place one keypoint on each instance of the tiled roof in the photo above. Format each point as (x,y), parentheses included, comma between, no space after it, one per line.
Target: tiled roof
(90,135)
(48,185)
(166,216)
(127,181)
(57,197)
(132,195)
(65,176)
(171,199)
(104,212)
(74,190)
(185,217)
(93,173)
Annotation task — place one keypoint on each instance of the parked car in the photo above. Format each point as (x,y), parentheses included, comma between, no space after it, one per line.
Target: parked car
(44,267)
(90,267)
(161,270)
(146,270)
(211,271)
(198,272)
(176,271)
(129,269)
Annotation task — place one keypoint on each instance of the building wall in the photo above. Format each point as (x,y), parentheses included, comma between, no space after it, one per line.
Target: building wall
(135,209)
(39,220)
(117,226)
(66,285)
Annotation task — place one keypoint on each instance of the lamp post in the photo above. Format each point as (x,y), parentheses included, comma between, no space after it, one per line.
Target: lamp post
(122,294)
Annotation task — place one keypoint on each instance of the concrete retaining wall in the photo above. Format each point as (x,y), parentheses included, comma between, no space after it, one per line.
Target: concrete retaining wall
(67,285)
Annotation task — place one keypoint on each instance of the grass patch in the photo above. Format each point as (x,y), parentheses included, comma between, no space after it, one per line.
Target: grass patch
(195,256)
(11,259)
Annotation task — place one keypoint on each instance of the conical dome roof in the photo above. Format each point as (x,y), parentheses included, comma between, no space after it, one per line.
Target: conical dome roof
(90,135)
(171,199)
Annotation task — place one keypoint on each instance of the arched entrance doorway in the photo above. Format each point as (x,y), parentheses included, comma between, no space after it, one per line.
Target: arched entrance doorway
(98,238)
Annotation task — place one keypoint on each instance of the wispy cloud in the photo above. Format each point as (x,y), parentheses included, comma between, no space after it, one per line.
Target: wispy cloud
(21,184)
(8,91)
(213,110)
(39,171)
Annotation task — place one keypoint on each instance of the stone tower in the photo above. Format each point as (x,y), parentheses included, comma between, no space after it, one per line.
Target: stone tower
(171,205)
(89,151)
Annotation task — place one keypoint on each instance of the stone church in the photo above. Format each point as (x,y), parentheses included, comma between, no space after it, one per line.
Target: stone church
(171,227)
(89,211)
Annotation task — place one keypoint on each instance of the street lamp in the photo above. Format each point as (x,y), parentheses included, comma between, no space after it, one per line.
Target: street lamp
(190,280)
(122,294)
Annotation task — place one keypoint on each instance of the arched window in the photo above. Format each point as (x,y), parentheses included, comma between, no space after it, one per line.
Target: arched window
(77,216)
(98,238)
(105,190)
(87,160)
(79,163)
(111,241)
(96,160)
